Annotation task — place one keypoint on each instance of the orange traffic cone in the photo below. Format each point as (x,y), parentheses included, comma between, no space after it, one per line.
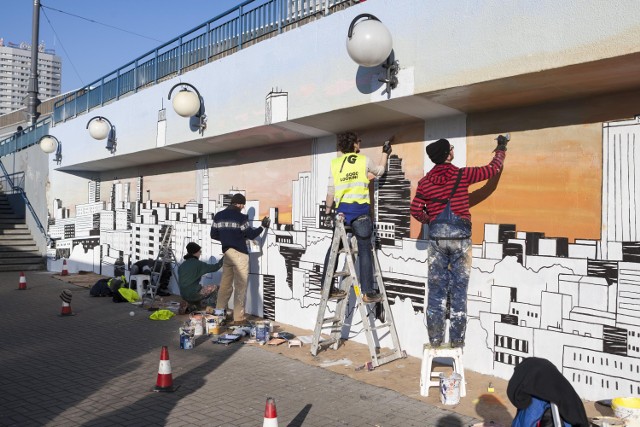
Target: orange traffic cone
(165,380)
(65,296)
(22,285)
(270,416)
(64,272)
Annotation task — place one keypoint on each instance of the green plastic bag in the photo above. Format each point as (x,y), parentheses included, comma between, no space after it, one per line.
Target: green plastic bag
(129,294)
(162,315)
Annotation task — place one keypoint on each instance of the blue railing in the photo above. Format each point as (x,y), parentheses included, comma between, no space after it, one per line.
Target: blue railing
(26,138)
(226,33)
(14,183)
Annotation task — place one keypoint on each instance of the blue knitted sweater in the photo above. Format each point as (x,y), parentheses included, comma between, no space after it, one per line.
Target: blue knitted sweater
(231,228)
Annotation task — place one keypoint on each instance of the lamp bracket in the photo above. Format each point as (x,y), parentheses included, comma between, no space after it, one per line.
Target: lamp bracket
(356,19)
(392,68)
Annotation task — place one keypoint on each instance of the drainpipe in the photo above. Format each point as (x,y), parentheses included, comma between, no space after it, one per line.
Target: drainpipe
(32,97)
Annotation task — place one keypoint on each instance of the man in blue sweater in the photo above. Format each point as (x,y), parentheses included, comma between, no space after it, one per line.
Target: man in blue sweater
(231,227)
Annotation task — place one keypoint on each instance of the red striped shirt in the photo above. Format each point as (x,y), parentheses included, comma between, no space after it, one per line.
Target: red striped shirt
(438,183)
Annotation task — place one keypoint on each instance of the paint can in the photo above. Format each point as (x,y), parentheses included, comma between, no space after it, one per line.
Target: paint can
(262,331)
(187,339)
(450,388)
(197,322)
(212,324)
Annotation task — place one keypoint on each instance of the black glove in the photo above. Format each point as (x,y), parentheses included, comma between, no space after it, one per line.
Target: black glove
(329,220)
(386,147)
(502,142)
(266,221)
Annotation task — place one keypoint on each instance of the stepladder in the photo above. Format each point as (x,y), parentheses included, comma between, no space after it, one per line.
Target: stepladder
(165,259)
(343,287)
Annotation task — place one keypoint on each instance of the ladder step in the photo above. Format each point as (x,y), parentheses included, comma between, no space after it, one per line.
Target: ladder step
(341,274)
(384,325)
(328,341)
(390,357)
(326,320)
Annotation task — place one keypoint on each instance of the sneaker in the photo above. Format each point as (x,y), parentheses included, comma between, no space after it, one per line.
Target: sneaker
(457,344)
(371,297)
(337,293)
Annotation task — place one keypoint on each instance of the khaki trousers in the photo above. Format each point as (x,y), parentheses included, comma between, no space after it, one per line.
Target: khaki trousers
(235,274)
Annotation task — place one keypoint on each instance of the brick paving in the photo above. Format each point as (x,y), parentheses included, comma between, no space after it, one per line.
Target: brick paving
(98,367)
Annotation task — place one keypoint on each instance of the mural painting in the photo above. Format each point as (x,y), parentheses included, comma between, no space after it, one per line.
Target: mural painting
(556,265)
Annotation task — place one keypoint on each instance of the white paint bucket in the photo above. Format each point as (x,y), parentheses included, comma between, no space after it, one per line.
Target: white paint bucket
(450,389)
(197,321)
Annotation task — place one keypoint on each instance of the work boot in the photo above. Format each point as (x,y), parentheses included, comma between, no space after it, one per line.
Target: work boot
(434,344)
(371,297)
(457,343)
(240,323)
(337,293)
(182,309)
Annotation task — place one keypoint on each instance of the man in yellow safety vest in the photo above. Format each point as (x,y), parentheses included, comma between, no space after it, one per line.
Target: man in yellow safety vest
(349,188)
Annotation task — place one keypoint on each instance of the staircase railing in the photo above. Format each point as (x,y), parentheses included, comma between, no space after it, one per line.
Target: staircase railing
(14,188)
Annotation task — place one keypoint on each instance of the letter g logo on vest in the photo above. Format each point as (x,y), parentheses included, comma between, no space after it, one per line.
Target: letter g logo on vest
(352,159)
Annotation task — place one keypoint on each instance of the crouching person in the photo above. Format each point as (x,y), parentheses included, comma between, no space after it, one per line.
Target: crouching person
(189,274)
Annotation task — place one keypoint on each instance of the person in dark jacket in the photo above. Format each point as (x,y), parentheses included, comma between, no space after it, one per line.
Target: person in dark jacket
(442,201)
(231,228)
(536,377)
(189,274)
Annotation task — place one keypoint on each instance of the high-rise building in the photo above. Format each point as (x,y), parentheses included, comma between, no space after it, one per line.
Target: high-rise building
(15,67)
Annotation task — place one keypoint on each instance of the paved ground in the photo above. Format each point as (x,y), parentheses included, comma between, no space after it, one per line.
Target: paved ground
(97,368)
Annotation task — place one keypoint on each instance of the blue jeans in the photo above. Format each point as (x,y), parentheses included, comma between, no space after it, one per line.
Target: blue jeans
(362,228)
(449,269)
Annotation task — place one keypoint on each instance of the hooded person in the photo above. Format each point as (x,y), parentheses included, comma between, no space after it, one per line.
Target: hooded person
(190,273)
(442,202)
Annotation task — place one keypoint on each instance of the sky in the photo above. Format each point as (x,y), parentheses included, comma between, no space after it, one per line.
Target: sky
(90,50)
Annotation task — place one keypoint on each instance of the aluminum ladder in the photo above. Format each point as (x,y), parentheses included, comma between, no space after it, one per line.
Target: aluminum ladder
(165,258)
(347,279)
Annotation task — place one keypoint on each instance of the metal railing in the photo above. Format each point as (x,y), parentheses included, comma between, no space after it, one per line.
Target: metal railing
(26,138)
(11,186)
(246,23)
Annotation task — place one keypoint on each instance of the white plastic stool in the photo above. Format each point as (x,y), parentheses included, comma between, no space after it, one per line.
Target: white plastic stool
(426,374)
(138,280)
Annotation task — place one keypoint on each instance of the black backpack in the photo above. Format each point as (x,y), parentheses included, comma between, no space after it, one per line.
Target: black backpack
(101,289)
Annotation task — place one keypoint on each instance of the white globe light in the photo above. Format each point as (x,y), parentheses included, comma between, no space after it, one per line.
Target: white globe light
(48,144)
(186,103)
(370,43)
(99,129)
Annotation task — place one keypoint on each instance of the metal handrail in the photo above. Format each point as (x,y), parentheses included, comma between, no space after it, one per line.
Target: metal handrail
(18,189)
(227,32)
(25,138)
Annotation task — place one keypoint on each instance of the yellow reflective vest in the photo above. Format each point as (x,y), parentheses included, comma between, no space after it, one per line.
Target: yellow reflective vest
(350,179)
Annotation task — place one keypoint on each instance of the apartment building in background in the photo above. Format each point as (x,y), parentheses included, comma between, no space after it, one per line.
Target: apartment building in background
(15,64)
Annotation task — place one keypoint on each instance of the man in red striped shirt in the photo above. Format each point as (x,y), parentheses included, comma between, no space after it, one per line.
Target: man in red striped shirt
(442,201)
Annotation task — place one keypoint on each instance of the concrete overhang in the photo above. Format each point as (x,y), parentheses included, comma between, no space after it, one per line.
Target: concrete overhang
(576,82)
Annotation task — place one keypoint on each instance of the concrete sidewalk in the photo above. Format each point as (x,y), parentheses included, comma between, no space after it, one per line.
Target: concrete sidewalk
(98,367)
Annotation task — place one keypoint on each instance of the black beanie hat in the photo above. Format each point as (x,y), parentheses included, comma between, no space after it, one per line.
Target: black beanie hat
(438,151)
(238,199)
(193,248)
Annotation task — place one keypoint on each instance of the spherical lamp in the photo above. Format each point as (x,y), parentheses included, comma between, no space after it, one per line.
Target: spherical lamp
(186,103)
(369,42)
(99,128)
(48,144)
